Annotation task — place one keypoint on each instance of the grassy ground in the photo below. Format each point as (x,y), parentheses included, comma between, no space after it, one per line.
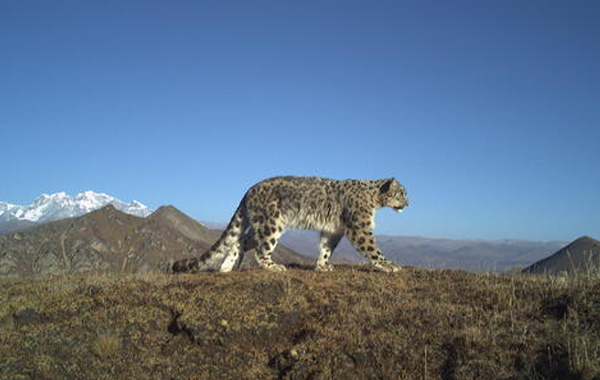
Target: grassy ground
(348,324)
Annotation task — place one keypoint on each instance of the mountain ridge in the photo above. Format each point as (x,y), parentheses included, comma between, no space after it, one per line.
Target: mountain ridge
(109,240)
(498,255)
(51,207)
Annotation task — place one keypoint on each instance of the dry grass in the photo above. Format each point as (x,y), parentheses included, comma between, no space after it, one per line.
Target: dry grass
(106,345)
(348,324)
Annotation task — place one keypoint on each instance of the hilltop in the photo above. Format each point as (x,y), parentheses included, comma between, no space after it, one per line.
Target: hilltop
(580,256)
(348,324)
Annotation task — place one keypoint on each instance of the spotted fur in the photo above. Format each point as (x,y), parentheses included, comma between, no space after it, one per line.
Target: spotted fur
(333,208)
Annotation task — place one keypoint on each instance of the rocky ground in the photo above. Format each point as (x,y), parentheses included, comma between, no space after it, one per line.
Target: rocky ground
(348,324)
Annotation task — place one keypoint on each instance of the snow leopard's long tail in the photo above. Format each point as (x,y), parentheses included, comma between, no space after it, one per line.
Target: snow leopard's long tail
(225,254)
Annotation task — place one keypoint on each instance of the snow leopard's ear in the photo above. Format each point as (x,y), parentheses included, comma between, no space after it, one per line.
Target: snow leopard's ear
(386,185)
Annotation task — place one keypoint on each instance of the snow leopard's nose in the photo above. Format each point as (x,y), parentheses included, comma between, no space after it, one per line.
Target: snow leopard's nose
(406,202)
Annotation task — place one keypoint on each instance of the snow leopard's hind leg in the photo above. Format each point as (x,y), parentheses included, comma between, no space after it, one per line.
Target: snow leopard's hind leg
(327,243)
(232,243)
(267,229)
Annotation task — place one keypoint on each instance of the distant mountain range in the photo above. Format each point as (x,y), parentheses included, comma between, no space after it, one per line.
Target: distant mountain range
(580,256)
(473,255)
(467,254)
(47,208)
(109,240)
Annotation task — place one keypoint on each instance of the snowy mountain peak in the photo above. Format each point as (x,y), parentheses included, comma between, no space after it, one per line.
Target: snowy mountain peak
(61,194)
(49,207)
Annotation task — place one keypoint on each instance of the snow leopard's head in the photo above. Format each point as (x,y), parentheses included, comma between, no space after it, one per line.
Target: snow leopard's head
(393,195)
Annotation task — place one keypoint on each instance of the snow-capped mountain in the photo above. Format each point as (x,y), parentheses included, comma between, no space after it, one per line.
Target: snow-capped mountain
(47,208)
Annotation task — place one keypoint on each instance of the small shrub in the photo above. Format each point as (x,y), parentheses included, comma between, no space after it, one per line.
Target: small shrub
(106,345)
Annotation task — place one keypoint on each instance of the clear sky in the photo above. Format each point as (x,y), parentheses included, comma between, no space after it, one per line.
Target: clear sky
(487,111)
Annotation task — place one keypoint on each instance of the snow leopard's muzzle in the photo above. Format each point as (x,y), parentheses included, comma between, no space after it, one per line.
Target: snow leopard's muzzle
(401,207)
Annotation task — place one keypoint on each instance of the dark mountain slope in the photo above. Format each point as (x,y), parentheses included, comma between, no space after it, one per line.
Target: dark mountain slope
(108,240)
(581,256)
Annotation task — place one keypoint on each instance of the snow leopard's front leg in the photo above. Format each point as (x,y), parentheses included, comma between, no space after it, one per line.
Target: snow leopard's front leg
(363,240)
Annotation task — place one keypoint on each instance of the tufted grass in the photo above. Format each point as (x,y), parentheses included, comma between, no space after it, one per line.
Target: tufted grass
(348,324)
(106,345)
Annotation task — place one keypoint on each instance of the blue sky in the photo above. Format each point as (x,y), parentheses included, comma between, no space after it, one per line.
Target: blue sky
(487,111)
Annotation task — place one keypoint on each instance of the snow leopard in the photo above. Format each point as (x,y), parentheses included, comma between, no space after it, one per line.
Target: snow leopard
(334,208)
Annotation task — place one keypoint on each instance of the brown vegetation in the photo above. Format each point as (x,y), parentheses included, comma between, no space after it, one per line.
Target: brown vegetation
(347,324)
(106,345)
